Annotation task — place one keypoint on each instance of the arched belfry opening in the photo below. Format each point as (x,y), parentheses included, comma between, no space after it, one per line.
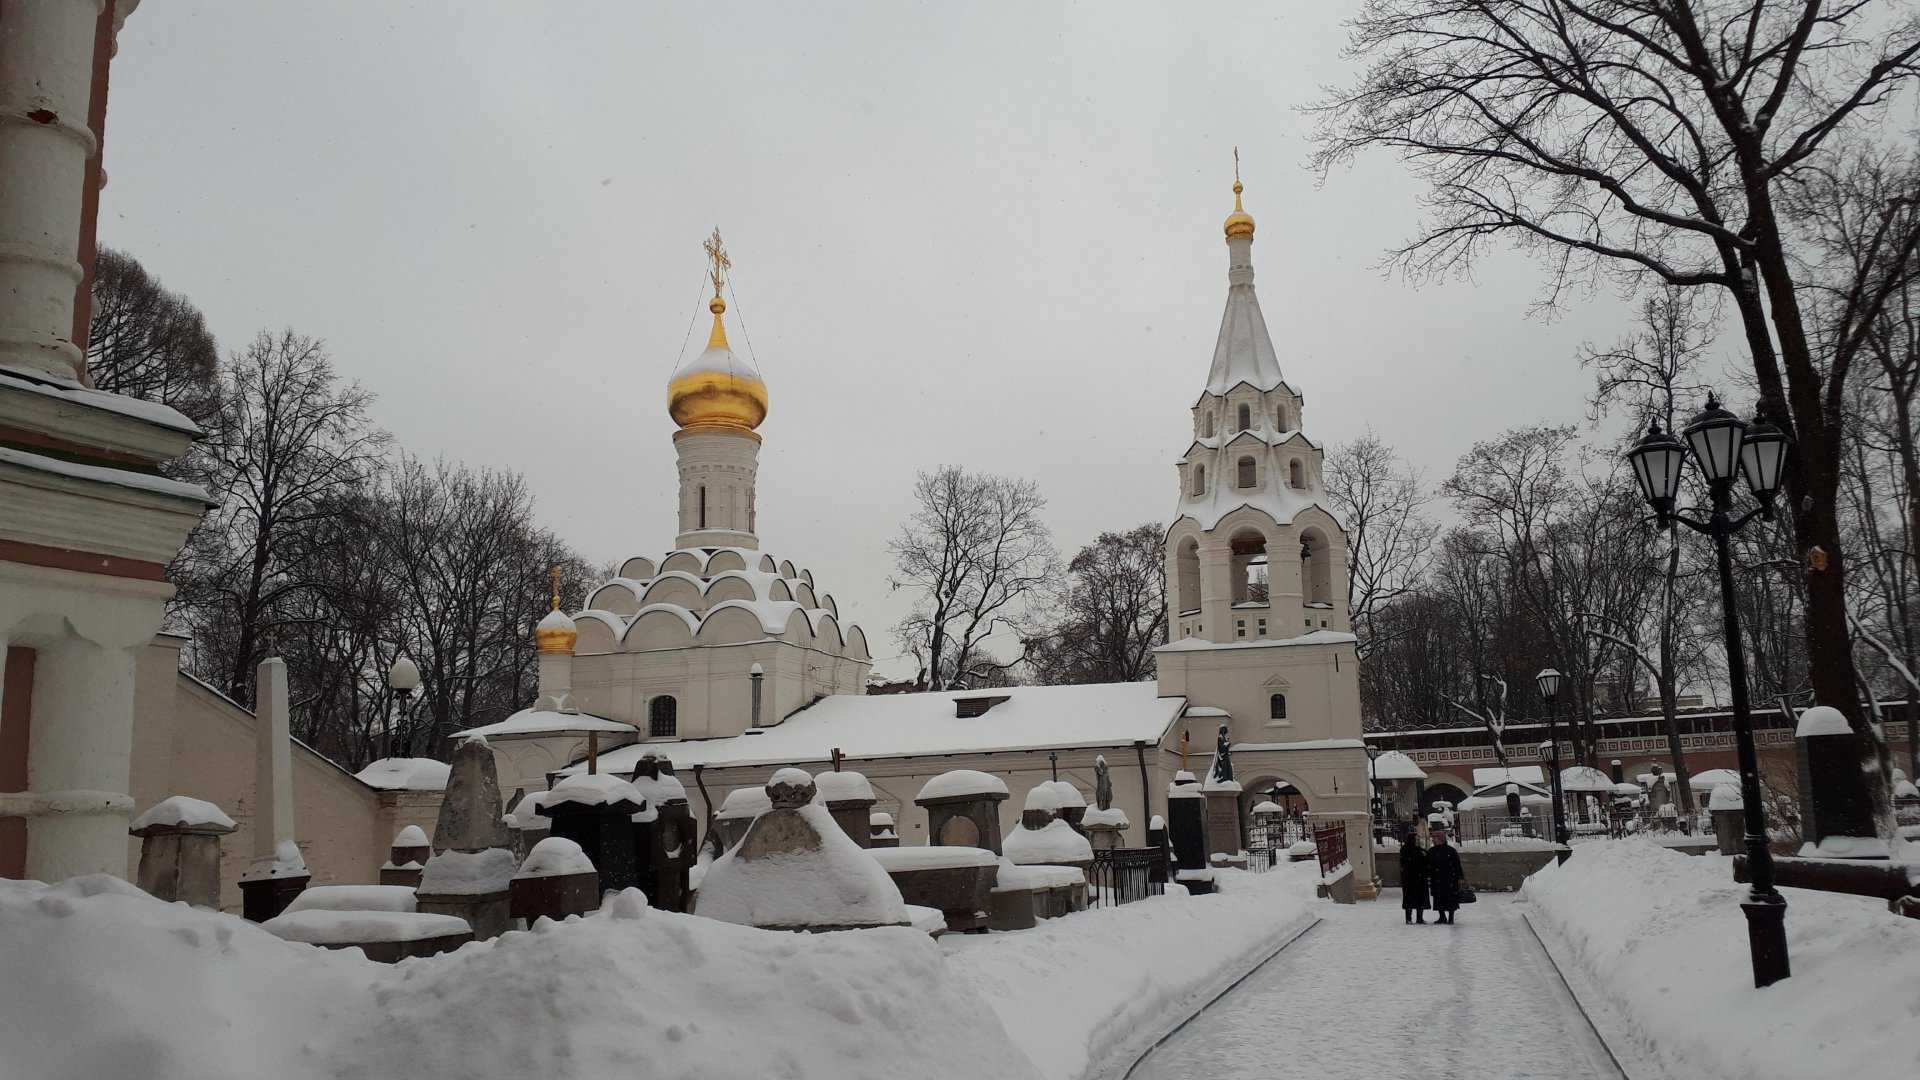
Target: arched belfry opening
(1295,475)
(1316,569)
(1199,479)
(1187,575)
(1247,470)
(1249,567)
(1245,417)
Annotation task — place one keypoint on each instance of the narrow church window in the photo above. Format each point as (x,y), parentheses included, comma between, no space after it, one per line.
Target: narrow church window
(1199,479)
(1246,472)
(1246,418)
(663,717)
(1206,426)
(1277,707)
(703,506)
(1293,473)
(1280,417)
(750,510)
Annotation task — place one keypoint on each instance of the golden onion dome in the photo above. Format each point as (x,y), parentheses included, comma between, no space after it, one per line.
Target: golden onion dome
(715,389)
(556,632)
(1239,223)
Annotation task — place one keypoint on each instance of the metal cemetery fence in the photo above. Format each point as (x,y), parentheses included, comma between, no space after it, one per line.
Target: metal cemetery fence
(1330,843)
(1123,875)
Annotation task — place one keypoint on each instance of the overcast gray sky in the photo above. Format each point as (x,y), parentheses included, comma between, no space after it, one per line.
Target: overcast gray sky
(984,234)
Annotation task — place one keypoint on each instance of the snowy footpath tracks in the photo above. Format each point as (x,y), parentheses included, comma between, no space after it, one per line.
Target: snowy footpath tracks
(1365,997)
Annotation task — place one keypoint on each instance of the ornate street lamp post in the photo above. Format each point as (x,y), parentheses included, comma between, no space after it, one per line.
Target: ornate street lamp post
(403,678)
(1376,806)
(1724,448)
(1549,683)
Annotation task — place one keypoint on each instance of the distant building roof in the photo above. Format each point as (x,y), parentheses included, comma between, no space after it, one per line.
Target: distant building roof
(546,722)
(912,725)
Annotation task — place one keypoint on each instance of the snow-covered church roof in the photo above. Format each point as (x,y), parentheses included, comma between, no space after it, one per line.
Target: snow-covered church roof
(910,725)
(713,596)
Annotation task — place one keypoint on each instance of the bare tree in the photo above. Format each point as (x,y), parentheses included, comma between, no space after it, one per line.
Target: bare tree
(148,342)
(290,441)
(1111,612)
(977,556)
(1379,497)
(1646,139)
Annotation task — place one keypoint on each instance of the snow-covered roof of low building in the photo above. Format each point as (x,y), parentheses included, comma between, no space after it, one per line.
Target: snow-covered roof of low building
(1394,765)
(1525,774)
(405,774)
(913,725)
(546,722)
(1585,778)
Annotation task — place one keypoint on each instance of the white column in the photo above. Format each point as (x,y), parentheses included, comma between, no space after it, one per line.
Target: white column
(272,764)
(79,759)
(46,77)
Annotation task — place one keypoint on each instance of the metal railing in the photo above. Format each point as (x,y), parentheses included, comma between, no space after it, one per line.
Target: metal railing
(1123,875)
(1330,844)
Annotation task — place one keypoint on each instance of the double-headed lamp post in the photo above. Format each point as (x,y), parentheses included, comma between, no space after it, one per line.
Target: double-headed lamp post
(1549,683)
(1725,449)
(403,678)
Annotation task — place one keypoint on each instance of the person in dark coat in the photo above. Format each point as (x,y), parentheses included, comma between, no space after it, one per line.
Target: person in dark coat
(1413,880)
(1444,876)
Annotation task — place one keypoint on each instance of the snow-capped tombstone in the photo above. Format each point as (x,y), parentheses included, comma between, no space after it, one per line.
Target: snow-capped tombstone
(665,840)
(737,812)
(406,857)
(471,885)
(278,872)
(1073,805)
(180,849)
(849,798)
(470,812)
(1836,804)
(1187,829)
(883,835)
(595,811)
(1728,811)
(556,880)
(963,809)
(796,869)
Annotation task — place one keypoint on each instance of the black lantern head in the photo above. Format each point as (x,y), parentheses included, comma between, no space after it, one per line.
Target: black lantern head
(1763,458)
(1549,683)
(1657,460)
(1715,434)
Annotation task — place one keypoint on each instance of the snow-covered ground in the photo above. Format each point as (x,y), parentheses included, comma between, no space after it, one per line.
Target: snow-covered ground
(103,980)
(1364,997)
(1095,988)
(1662,937)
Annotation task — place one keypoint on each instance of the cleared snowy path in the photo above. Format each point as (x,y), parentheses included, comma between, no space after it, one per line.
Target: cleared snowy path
(1364,997)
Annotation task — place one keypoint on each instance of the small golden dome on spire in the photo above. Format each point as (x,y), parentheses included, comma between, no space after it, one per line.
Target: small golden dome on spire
(556,633)
(715,389)
(1239,223)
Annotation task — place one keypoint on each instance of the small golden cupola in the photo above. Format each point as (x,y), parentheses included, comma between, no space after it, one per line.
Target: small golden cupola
(715,388)
(1239,223)
(555,633)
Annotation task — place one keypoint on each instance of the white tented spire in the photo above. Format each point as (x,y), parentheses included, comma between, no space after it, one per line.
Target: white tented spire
(1244,352)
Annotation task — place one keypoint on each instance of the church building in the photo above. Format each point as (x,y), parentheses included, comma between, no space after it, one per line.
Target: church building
(732,663)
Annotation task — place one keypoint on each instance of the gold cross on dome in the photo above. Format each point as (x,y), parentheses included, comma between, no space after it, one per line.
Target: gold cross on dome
(555,575)
(1236,166)
(717,262)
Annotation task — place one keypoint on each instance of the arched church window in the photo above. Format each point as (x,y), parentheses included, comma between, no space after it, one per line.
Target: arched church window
(663,717)
(703,506)
(1246,417)
(1206,425)
(1199,479)
(1294,475)
(1316,568)
(1280,418)
(1246,472)
(1187,577)
(1277,707)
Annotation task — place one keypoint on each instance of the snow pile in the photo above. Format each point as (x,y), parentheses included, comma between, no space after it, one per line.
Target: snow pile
(880,819)
(354,898)
(1822,720)
(962,782)
(1113,815)
(840,786)
(1726,797)
(467,873)
(659,790)
(286,862)
(554,857)
(1663,936)
(1042,797)
(836,884)
(182,811)
(1057,843)
(411,836)
(1013,877)
(1068,795)
(325,927)
(1109,981)
(167,992)
(406,774)
(526,815)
